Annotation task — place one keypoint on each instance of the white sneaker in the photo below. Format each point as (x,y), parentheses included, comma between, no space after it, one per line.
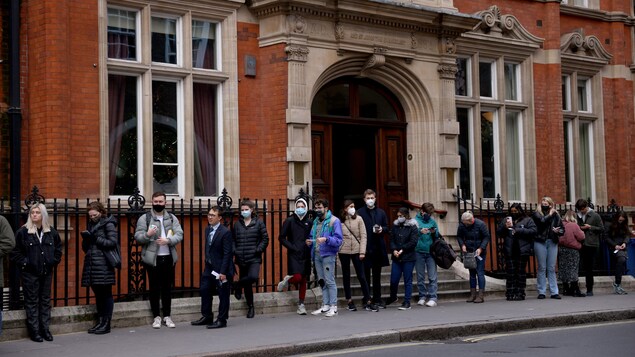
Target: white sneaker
(157,322)
(332,312)
(421,302)
(431,303)
(301,310)
(284,283)
(324,309)
(168,322)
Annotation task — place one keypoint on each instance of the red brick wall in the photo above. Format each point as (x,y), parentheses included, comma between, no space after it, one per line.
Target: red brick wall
(262,112)
(61,97)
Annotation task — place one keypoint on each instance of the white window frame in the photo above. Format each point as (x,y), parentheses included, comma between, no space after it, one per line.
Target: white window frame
(587,94)
(567,95)
(468,76)
(521,156)
(569,151)
(138,40)
(180,49)
(519,94)
(494,81)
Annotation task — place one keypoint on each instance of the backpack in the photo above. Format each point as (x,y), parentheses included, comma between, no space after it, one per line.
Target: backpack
(442,253)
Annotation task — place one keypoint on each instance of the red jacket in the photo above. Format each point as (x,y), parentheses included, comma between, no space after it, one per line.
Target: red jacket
(573,236)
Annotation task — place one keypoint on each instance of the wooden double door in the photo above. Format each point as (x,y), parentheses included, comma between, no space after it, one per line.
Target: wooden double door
(350,157)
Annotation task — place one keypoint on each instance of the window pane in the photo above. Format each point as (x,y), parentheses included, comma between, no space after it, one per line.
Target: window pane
(164,40)
(333,100)
(485,79)
(373,105)
(511,81)
(462,115)
(566,97)
(461,81)
(204,139)
(122,123)
(514,160)
(203,44)
(567,160)
(583,104)
(164,136)
(487,154)
(586,168)
(122,34)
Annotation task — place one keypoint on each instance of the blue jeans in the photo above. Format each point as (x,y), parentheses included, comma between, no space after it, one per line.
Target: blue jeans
(546,254)
(426,262)
(478,272)
(325,268)
(398,269)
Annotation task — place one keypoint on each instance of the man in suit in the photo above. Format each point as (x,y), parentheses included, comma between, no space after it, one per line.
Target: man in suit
(218,272)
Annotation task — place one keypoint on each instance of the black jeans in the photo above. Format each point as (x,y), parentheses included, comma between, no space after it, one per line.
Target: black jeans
(346,259)
(620,267)
(104,300)
(37,301)
(587,262)
(247,276)
(372,265)
(161,278)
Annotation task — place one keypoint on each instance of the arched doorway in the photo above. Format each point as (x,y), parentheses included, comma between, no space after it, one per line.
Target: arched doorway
(358,142)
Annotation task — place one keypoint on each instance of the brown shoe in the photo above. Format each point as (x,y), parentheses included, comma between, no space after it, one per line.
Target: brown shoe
(479,298)
(472,296)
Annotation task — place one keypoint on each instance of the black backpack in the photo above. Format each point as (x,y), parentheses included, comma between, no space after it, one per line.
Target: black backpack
(442,253)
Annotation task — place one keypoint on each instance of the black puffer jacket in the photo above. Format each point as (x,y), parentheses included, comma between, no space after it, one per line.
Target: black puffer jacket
(545,225)
(293,236)
(522,240)
(104,237)
(250,241)
(404,237)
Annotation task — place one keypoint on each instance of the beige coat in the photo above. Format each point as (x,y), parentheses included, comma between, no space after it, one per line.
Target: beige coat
(353,230)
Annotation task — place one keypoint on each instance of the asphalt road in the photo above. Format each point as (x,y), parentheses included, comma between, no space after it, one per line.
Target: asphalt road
(609,339)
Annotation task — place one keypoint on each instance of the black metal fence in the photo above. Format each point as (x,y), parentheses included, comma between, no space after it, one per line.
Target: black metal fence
(493,211)
(69,218)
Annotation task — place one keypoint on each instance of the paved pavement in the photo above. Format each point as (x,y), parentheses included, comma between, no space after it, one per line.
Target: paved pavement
(288,333)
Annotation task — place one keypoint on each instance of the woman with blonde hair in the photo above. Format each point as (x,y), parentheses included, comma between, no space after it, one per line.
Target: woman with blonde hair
(569,255)
(37,252)
(550,229)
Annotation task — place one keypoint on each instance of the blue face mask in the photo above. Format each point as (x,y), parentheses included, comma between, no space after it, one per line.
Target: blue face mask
(245,214)
(300,211)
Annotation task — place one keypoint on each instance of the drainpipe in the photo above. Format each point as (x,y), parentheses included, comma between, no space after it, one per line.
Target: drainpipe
(15,120)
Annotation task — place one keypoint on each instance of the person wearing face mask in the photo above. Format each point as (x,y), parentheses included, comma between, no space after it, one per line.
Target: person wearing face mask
(473,236)
(617,240)
(428,233)
(158,232)
(353,250)
(591,224)
(37,252)
(250,241)
(376,223)
(293,236)
(98,273)
(550,229)
(403,241)
(518,232)
(325,240)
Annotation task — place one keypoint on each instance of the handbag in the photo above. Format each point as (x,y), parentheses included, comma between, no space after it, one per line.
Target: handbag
(469,260)
(113,257)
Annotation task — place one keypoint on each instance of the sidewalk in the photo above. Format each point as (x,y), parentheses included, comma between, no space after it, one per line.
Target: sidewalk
(288,333)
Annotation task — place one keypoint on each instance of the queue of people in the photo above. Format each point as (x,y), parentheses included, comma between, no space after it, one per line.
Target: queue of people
(355,237)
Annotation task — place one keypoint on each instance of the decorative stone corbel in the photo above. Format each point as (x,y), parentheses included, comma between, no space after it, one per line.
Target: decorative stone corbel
(376,60)
(297,53)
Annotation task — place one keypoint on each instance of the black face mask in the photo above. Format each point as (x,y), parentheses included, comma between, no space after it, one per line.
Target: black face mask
(320,214)
(545,209)
(158,208)
(516,216)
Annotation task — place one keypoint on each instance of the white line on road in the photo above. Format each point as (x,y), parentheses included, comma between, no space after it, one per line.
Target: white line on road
(372,348)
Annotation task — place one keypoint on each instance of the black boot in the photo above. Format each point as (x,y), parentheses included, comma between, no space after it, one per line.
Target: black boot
(566,289)
(100,321)
(251,312)
(576,290)
(104,328)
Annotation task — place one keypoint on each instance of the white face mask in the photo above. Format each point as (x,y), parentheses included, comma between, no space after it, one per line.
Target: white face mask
(401,219)
(351,211)
(370,202)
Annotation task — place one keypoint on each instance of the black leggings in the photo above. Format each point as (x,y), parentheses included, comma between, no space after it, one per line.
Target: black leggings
(620,268)
(248,274)
(346,259)
(105,302)
(587,261)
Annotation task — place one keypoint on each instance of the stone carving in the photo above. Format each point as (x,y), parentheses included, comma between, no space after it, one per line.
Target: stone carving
(447,71)
(449,46)
(297,53)
(339,31)
(375,60)
(297,23)
(413,40)
(589,47)
(495,24)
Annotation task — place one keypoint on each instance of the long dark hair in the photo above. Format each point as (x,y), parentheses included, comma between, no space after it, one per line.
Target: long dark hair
(519,208)
(619,229)
(343,213)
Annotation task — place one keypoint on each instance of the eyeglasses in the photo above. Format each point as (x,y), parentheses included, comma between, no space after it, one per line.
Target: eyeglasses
(212,215)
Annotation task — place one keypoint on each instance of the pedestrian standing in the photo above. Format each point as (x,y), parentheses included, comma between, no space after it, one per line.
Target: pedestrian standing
(428,232)
(569,255)
(293,236)
(250,241)
(403,240)
(100,240)
(473,237)
(591,224)
(37,252)
(7,243)
(617,240)
(158,232)
(550,229)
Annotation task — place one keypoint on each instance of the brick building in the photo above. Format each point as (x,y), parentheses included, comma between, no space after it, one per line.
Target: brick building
(522,98)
